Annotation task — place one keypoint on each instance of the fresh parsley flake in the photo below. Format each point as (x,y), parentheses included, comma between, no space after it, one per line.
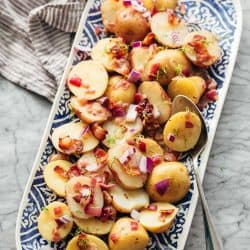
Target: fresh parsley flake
(178,69)
(110,139)
(45,209)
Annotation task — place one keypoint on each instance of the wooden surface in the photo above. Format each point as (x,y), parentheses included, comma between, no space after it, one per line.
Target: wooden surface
(227,181)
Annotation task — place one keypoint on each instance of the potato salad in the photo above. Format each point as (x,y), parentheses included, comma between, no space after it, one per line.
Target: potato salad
(117,170)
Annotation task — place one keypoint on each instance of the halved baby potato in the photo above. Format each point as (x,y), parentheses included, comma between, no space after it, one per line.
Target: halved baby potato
(119,132)
(202,48)
(86,241)
(108,10)
(112,53)
(55,181)
(120,90)
(49,228)
(160,219)
(182,131)
(158,97)
(128,233)
(74,133)
(167,32)
(126,180)
(149,147)
(159,5)
(125,201)
(130,25)
(94,225)
(168,182)
(192,87)
(76,208)
(89,112)
(88,80)
(165,65)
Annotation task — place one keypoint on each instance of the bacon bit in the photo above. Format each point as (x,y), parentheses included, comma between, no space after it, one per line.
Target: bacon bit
(131,170)
(168,156)
(101,157)
(93,182)
(82,241)
(154,69)
(121,65)
(56,236)
(199,45)
(57,211)
(154,10)
(134,225)
(189,124)
(107,197)
(156,159)
(122,84)
(70,146)
(60,171)
(131,142)
(98,131)
(149,39)
(77,187)
(82,101)
(106,186)
(76,81)
(212,95)
(166,212)
(211,84)
(138,97)
(114,237)
(152,207)
(77,198)
(172,18)
(98,29)
(90,91)
(119,50)
(142,146)
(186,72)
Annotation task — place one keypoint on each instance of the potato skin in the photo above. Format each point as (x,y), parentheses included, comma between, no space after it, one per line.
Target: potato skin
(186,129)
(169,61)
(130,25)
(177,174)
(118,92)
(192,87)
(137,239)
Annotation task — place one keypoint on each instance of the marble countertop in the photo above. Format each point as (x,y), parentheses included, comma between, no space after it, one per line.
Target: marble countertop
(227,181)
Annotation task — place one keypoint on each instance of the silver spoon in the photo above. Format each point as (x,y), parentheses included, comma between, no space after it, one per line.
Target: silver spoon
(182,103)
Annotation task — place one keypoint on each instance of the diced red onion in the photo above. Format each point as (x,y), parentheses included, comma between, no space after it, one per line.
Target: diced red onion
(145,165)
(126,156)
(65,219)
(189,124)
(92,167)
(171,137)
(134,76)
(135,215)
(156,159)
(186,72)
(106,186)
(118,111)
(131,113)
(104,101)
(138,97)
(93,211)
(84,131)
(162,186)
(212,95)
(142,146)
(156,112)
(137,44)
(126,3)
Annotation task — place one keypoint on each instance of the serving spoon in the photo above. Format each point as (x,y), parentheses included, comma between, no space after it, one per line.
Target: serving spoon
(183,103)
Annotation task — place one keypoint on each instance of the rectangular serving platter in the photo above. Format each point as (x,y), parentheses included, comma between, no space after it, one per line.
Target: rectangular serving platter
(222,17)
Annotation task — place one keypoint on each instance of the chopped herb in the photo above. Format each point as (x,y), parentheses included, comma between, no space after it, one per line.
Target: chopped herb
(161,72)
(78,212)
(178,69)
(78,231)
(83,243)
(110,139)
(45,209)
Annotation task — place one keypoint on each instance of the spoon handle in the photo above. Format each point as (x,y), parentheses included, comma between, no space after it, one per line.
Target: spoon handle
(213,241)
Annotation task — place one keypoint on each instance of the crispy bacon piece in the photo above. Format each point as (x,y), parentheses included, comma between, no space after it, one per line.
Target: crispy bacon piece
(149,39)
(134,225)
(172,18)
(60,171)
(114,237)
(58,211)
(70,146)
(152,207)
(153,72)
(199,45)
(74,171)
(76,81)
(164,213)
(56,235)
(101,157)
(156,159)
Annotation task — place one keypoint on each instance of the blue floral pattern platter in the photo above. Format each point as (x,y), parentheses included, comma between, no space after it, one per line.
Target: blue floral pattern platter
(223,18)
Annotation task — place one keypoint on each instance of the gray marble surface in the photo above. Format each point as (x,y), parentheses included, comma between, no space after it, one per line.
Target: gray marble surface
(23,117)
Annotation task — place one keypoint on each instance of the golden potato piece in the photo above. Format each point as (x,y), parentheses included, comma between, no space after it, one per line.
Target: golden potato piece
(202,48)
(87,241)
(125,201)
(159,5)
(88,80)
(108,10)
(94,225)
(169,34)
(128,232)
(168,182)
(159,220)
(131,25)
(120,90)
(158,97)
(165,65)
(52,177)
(182,131)
(48,225)
(193,87)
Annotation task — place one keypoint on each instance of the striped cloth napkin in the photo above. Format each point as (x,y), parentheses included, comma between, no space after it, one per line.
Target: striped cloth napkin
(36,38)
